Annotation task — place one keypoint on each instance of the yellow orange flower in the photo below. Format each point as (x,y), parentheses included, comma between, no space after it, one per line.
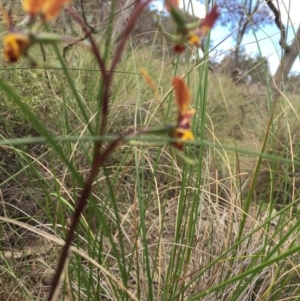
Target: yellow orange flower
(191,32)
(183,99)
(48,8)
(185,135)
(51,8)
(15,44)
(33,7)
(194,39)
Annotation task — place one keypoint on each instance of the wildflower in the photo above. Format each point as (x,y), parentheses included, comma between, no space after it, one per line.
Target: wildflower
(15,44)
(208,22)
(183,98)
(191,32)
(179,48)
(51,8)
(185,135)
(204,27)
(33,7)
(182,129)
(48,8)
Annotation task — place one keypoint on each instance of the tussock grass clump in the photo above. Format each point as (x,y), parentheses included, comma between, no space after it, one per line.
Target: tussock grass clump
(155,227)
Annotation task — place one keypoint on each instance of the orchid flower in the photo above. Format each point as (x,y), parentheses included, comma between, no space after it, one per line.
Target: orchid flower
(16,42)
(190,32)
(183,98)
(48,8)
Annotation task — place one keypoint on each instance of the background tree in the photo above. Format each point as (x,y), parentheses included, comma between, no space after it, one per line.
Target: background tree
(290,52)
(241,16)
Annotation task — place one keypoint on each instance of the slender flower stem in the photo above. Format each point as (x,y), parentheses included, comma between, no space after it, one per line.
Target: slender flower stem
(82,201)
(98,158)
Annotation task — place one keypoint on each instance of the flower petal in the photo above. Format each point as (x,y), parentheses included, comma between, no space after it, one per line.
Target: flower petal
(183,121)
(33,7)
(15,44)
(194,38)
(179,48)
(51,8)
(183,96)
(210,19)
(185,135)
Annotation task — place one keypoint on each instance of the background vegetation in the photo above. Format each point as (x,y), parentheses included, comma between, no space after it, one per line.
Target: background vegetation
(156,227)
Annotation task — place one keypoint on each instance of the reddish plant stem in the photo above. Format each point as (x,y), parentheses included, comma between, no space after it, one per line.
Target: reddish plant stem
(82,201)
(98,158)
